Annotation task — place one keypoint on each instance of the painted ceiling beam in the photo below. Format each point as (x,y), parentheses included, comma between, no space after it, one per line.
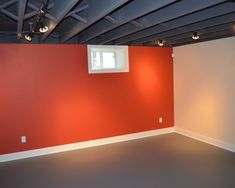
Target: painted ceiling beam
(178,9)
(9,14)
(6,12)
(35,10)
(201,33)
(196,26)
(21,11)
(7,4)
(59,11)
(207,37)
(153,32)
(123,15)
(96,11)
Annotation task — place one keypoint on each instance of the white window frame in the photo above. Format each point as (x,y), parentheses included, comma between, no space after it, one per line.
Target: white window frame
(121,58)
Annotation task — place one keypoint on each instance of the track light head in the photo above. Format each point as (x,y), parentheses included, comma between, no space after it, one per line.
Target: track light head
(42,11)
(195,36)
(160,42)
(43,29)
(28,37)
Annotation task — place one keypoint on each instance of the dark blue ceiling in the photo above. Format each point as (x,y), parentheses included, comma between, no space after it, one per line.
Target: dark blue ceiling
(118,22)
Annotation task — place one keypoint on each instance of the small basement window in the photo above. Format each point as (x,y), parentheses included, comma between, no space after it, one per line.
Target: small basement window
(107,59)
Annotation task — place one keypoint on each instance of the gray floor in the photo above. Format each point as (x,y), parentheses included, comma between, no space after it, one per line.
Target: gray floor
(167,161)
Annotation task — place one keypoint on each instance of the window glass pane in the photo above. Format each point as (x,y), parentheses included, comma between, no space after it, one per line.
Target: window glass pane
(108,60)
(95,60)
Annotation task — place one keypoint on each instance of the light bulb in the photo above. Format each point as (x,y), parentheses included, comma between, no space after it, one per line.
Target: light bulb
(195,36)
(160,42)
(28,37)
(43,29)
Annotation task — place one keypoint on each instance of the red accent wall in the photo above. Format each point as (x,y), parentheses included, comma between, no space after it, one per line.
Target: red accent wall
(47,94)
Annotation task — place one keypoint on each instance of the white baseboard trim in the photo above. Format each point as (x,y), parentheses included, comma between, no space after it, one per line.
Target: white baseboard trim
(81,145)
(111,140)
(206,139)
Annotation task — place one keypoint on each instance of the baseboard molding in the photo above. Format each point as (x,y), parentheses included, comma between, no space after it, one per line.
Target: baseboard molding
(111,140)
(206,139)
(81,145)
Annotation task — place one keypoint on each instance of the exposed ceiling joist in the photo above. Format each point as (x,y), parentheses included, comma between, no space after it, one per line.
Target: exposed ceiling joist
(77,10)
(188,35)
(3,9)
(153,32)
(173,11)
(9,14)
(7,4)
(123,15)
(195,27)
(207,37)
(115,22)
(79,18)
(30,15)
(21,11)
(59,11)
(212,33)
(35,11)
(111,19)
(97,10)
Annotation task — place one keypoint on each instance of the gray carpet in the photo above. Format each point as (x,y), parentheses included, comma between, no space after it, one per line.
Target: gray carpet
(166,161)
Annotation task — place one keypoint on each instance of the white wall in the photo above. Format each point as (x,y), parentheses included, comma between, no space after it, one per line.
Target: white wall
(204,78)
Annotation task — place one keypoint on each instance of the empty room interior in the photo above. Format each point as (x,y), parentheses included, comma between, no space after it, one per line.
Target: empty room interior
(117,94)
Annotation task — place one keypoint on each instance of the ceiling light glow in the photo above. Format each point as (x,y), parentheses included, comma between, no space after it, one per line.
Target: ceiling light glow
(160,42)
(43,29)
(28,37)
(195,36)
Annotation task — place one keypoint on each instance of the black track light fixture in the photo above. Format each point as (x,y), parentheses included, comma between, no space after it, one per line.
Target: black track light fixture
(195,36)
(29,37)
(37,26)
(158,42)
(43,28)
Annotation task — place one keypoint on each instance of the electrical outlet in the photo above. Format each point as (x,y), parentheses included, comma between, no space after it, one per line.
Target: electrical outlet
(160,119)
(23,139)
